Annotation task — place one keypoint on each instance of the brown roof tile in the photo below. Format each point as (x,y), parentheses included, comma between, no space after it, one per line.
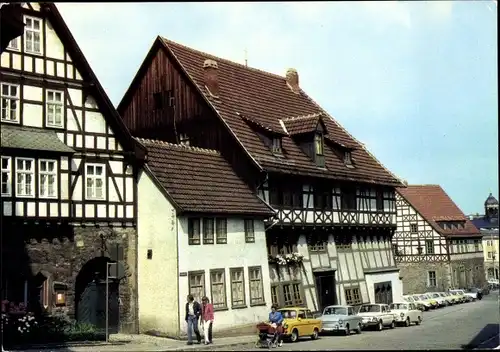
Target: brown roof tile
(267,99)
(200,180)
(302,124)
(432,202)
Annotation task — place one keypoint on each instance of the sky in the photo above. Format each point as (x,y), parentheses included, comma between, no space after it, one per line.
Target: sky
(416,82)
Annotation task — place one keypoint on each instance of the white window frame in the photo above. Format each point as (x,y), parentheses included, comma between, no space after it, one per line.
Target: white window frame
(7,170)
(9,98)
(14,44)
(33,32)
(102,177)
(47,173)
(54,104)
(429,279)
(31,172)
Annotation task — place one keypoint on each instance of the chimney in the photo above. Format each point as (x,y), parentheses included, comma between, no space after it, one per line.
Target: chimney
(211,77)
(292,78)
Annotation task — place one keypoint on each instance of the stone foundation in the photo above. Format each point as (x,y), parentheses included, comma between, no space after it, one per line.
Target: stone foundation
(468,272)
(415,277)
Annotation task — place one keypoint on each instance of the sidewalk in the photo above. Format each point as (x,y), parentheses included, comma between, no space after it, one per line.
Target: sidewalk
(146,343)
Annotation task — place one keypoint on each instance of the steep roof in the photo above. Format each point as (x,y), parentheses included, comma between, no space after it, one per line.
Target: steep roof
(200,180)
(432,202)
(265,99)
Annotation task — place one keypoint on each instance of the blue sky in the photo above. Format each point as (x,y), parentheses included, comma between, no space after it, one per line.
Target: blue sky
(415,81)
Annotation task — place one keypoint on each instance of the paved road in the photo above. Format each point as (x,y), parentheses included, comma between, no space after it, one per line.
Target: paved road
(463,326)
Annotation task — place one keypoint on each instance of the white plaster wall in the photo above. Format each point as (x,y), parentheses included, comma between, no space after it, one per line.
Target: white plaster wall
(156,230)
(236,253)
(393,277)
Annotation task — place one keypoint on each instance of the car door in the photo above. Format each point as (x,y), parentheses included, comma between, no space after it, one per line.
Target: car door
(386,314)
(352,318)
(310,321)
(302,323)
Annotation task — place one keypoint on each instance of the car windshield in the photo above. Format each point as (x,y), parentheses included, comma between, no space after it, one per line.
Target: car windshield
(399,306)
(435,295)
(423,297)
(288,314)
(335,311)
(370,308)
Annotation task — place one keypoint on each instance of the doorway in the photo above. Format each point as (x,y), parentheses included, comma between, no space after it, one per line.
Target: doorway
(325,288)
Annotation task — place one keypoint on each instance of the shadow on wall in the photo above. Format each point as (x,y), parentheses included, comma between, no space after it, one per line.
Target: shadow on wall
(487,338)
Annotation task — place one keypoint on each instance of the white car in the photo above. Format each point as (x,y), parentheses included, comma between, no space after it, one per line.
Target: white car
(436,296)
(377,316)
(462,293)
(406,313)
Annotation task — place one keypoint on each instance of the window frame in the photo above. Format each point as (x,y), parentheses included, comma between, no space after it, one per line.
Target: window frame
(352,296)
(95,177)
(319,144)
(55,104)
(32,173)
(414,227)
(33,30)
(249,235)
(231,271)
(256,301)
(194,239)
(54,173)
(224,304)
(203,283)
(6,171)
(9,97)
(429,244)
(430,278)
(208,236)
(16,47)
(220,237)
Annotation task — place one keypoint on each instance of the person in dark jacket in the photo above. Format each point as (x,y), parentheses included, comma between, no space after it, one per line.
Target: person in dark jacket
(193,312)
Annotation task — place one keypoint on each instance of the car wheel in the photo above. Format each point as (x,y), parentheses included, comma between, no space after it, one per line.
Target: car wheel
(419,321)
(407,322)
(380,326)
(393,324)
(358,330)
(315,334)
(295,335)
(347,330)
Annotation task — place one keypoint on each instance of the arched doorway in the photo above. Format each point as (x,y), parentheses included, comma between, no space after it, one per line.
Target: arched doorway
(90,296)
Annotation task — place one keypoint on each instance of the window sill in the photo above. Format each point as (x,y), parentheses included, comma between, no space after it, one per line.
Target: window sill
(220,242)
(239,307)
(249,241)
(54,127)
(15,122)
(194,244)
(222,309)
(257,304)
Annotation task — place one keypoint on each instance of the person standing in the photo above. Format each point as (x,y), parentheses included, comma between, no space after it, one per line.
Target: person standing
(207,317)
(193,312)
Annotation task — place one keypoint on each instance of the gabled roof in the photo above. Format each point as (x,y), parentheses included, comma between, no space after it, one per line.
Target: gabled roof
(434,205)
(302,124)
(201,181)
(267,99)
(70,44)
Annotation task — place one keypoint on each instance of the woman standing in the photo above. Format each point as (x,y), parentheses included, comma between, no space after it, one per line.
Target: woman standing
(207,317)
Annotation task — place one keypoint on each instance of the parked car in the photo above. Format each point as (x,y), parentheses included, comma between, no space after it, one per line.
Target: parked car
(427,298)
(406,313)
(449,298)
(409,299)
(377,316)
(341,318)
(461,295)
(440,300)
(478,291)
(299,322)
(471,294)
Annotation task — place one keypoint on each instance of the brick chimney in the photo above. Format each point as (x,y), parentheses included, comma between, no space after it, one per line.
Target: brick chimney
(211,77)
(292,78)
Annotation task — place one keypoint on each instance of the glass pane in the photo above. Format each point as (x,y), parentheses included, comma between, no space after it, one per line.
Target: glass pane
(90,170)
(98,170)
(36,25)
(50,96)
(13,91)
(29,23)
(5,89)
(51,166)
(5,163)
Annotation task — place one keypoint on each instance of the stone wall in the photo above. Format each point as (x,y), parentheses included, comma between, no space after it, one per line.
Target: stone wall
(59,252)
(468,272)
(415,277)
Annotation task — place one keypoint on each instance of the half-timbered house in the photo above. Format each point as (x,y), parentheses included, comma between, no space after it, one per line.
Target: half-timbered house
(68,169)
(334,202)
(436,246)
(200,231)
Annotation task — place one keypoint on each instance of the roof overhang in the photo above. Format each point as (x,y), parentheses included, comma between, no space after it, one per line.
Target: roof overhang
(30,138)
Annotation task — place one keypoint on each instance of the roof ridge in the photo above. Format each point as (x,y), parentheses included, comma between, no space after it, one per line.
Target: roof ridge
(179,146)
(218,58)
(300,117)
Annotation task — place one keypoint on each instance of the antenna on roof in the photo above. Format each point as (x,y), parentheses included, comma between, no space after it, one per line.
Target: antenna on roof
(246,57)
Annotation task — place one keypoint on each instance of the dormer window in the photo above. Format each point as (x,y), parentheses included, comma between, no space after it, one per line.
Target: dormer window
(348,159)
(184,139)
(318,144)
(276,146)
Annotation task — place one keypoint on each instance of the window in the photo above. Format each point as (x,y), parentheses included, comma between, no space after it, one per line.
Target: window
(196,280)
(221,231)
(94,181)
(297,296)
(194,231)
(490,255)
(249,232)
(348,199)
(318,144)
(184,139)
(25,177)
(275,295)
(6,175)
(476,246)
(10,102)
(413,228)
(237,287)
(352,296)
(218,288)
(429,246)
(317,246)
(348,159)
(489,243)
(14,44)
(323,197)
(276,146)
(256,286)
(432,278)
(32,35)
(47,178)
(54,109)
(287,293)
(208,231)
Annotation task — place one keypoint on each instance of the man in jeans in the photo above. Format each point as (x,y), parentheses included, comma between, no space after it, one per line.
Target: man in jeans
(193,312)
